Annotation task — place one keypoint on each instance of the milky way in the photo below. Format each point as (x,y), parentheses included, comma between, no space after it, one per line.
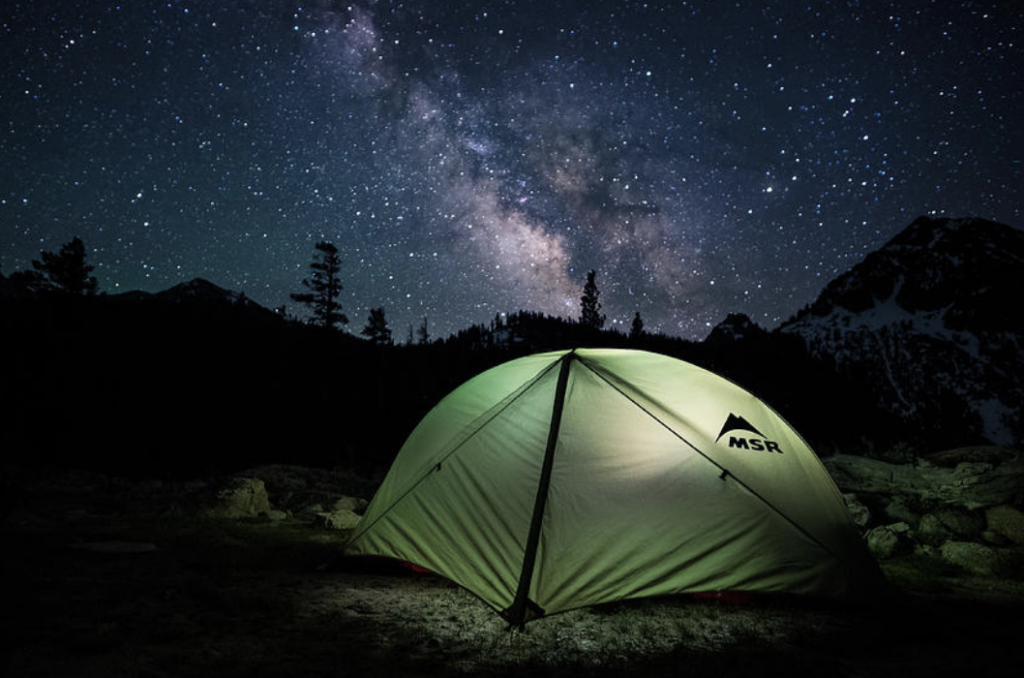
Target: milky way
(477,158)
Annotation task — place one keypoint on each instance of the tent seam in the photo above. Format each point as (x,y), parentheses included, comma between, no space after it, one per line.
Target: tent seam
(516,613)
(435,467)
(726,473)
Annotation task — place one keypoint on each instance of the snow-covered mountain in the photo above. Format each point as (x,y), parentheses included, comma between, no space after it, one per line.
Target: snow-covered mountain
(934,320)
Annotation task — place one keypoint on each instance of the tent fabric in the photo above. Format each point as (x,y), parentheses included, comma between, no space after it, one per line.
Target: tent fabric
(664,478)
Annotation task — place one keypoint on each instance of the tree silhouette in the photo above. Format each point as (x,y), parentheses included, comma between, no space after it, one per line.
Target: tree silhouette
(590,305)
(65,271)
(324,287)
(636,330)
(377,329)
(423,333)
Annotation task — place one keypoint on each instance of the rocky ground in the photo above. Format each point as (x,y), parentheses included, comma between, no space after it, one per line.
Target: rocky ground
(239,577)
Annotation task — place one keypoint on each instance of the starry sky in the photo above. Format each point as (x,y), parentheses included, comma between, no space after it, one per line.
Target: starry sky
(476,158)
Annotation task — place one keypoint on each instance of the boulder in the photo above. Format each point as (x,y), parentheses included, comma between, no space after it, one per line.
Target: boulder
(975,558)
(994,538)
(860,513)
(350,504)
(967,525)
(342,519)
(240,498)
(958,506)
(897,510)
(969,480)
(931,531)
(887,541)
(292,488)
(925,550)
(1006,522)
(310,513)
(987,454)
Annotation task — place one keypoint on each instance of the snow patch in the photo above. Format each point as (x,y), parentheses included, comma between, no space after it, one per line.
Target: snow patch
(995,418)
(886,314)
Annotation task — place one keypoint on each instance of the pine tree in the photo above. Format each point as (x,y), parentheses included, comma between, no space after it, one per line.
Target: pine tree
(424,333)
(377,328)
(636,330)
(324,288)
(65,271)
(590,316)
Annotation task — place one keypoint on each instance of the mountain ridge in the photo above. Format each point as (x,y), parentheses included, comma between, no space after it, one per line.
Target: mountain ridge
(917,344)
(930,317)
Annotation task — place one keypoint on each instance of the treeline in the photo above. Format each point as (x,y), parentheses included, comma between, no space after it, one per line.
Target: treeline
(151,386)
(323,287)
(191,385)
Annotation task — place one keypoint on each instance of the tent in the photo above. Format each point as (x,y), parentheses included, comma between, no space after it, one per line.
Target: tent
(572,478)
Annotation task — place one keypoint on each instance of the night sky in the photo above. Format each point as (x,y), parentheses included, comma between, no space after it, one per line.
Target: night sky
(473,158)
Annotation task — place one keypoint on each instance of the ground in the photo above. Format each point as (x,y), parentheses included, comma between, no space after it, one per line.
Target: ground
(114,578)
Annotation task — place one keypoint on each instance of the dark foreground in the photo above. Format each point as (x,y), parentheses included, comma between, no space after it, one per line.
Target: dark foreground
(107,578)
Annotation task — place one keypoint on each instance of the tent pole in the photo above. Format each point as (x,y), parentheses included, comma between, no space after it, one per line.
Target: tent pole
(516,614)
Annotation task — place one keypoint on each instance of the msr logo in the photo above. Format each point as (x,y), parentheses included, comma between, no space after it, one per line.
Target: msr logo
(735,424)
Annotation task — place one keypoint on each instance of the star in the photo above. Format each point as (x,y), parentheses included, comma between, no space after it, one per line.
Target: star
(702,161)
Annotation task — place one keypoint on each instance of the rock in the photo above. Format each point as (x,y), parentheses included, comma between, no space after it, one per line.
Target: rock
(964,524)
(342,519)
(1007,522)
(310,513)
(860,513)
(242,498)
(994,539)
(931,531)
(887,541)
(925,550)
(277,515)
(958,506)
(981,453)
(901,529)
(349,504)
(294,487)
(973,482)
(975,558)
(898,511)
(882,543)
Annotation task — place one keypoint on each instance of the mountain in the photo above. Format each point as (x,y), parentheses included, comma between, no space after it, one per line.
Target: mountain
(920,343)
(196,293)
(202,291)
(199,296)
(932,321)
(735,327)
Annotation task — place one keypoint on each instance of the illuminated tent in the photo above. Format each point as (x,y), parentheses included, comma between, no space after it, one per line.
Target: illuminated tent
(572,478)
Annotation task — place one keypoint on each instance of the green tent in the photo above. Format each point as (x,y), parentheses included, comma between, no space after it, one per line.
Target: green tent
(572,478)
